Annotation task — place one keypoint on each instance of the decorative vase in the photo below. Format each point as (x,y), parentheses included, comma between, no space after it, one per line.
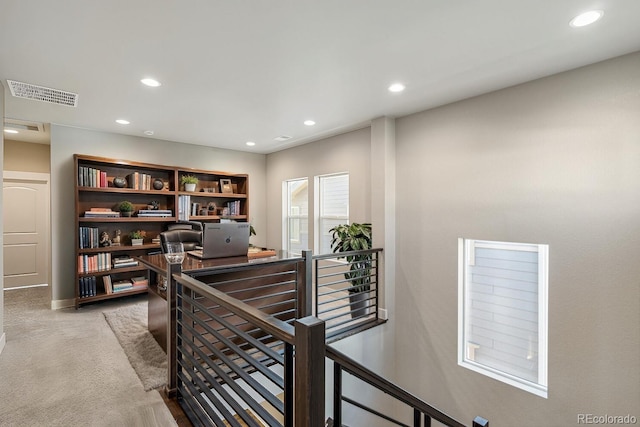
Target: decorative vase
(119,182)
(136,242)
(189,187)
(126,213)
(158,184)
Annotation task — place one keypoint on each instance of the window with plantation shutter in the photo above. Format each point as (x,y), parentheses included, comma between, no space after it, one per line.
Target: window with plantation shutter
(503,312)
(333,193)
(296,234)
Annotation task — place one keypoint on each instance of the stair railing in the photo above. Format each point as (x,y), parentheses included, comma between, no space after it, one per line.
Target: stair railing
(346,291)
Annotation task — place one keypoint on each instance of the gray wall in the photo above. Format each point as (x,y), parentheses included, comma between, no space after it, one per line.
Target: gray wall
(66,141)
(554,161)
(2,336)
(348,152)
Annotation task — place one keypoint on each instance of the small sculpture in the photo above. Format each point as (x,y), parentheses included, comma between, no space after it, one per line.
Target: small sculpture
(116,239)
(104,239)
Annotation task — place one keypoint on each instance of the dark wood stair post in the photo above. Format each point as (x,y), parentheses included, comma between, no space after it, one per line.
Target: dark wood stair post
(309,372)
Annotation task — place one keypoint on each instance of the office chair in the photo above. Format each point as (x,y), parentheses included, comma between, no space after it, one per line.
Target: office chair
(186,225)
(188,237)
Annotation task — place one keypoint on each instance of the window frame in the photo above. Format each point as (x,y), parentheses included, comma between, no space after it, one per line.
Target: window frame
(466,247)
(287,217)
(319,217)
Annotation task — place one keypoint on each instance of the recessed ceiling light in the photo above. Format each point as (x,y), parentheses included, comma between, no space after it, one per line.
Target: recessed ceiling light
(396,87)
(150,82)
(148,132)
(309,122)
(250,143)
(10,131)
(586,18)
(122,121)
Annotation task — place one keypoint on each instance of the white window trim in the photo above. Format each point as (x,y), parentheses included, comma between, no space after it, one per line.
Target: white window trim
(285,211)
(540,388)
(318,217)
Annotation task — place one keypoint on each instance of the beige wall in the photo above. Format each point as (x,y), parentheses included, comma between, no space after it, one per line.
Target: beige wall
(26,157)
(2,335)
(349,152)
(554,161)
(66,141)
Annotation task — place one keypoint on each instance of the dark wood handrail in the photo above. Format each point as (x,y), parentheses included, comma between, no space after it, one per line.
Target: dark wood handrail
(346,254)
(272,325)
(361,372)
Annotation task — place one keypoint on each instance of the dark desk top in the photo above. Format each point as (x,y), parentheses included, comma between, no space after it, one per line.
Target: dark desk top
(191,264)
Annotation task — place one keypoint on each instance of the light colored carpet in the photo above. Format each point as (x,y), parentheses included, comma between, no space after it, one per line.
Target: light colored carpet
(66,368)
(147,358)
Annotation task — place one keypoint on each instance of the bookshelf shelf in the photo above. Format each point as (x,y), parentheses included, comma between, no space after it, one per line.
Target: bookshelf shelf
(103,183)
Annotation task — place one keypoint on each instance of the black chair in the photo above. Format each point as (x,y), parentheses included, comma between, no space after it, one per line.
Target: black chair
(186,225)
(189,238)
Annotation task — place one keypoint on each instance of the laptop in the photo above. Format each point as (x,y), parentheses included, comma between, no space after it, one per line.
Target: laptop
(220,240)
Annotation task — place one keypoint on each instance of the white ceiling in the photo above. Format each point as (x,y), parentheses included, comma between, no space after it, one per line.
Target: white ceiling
(250,70)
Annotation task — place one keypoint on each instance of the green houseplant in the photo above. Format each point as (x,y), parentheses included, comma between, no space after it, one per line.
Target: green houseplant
(137,237)
(125,208)
(355,237)
(189,182)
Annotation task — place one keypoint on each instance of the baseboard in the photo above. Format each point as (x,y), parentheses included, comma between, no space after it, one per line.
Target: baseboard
(58,304)
(3,341)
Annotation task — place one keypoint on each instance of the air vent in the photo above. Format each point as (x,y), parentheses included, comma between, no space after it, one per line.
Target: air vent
(281,138)
(44,94)
(21,125)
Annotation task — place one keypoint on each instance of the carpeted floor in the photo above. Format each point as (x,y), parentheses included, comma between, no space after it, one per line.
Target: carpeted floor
(66,368)
(147,358)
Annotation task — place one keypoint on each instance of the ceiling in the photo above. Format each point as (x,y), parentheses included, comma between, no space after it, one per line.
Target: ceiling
(251,70)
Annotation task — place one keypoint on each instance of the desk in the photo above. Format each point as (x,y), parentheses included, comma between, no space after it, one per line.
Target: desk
(256,270)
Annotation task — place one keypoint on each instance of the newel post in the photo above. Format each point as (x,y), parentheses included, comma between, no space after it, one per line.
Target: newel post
(172,366)
(309,372)
(480,422)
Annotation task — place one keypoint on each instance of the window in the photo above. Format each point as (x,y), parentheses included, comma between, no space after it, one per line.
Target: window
(502,311)
(333,207)
(296,217)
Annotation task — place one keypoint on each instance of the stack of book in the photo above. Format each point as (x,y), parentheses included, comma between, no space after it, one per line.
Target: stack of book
(121,285)
(140,282)
(234,207)
(92,177)
(90,263)
(124,261)
(134,283)
(101,213)
(87,286)
(155,212)
(88,237)
(184,205)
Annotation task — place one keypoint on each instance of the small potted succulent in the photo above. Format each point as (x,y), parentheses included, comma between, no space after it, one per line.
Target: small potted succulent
(137,237)
(189,182)
(125,208)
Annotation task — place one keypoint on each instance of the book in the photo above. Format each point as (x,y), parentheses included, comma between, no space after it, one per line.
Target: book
(108,288)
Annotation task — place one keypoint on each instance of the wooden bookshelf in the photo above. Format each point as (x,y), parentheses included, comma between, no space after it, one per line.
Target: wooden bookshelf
(102,183)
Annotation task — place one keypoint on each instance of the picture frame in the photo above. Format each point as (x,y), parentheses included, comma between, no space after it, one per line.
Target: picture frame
(225,186)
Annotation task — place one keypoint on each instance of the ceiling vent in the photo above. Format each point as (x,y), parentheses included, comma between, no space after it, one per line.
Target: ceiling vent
(44,94)
(281,138)
(21,125)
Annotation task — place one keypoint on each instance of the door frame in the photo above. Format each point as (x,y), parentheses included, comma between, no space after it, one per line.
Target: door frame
(45,178)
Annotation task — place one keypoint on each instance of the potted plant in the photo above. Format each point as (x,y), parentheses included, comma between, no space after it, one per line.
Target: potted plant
(355,237)
(137,237)
(189,182)
(125,208)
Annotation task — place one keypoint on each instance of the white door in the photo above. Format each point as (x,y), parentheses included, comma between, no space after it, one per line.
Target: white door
(26,228)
